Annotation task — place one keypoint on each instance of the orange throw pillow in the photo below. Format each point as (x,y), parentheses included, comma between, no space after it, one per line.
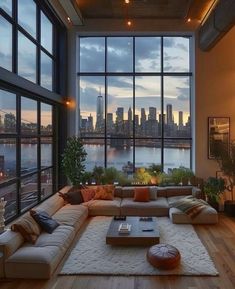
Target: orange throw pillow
(141,195)
(88,194)
(105,192)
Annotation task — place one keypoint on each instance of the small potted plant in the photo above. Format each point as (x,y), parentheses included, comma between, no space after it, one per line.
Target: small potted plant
(73,160)
(213,188)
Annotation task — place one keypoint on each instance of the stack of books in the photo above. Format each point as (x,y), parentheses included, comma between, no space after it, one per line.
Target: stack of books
(124,228)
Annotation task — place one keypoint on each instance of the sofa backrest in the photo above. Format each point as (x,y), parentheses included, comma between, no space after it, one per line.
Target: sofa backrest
(178,191)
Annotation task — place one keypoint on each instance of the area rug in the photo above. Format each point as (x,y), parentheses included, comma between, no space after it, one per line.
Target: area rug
(91,255)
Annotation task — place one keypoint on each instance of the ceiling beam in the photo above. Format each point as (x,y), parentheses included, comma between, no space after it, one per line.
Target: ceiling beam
(73,11)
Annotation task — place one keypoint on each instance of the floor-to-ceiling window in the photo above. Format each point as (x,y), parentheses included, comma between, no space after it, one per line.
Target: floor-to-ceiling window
(31,38)
(135,101)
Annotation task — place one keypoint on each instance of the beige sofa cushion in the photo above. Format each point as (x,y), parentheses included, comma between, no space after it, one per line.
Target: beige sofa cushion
(179,191)
(33,262)
(53,204)
(71,215)
(61,237)
(158,207)
(206,216)
(103,207)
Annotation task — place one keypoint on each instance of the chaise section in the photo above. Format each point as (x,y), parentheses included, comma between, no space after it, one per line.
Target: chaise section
(39,260)
(158,207)
(103,207)
(207,216)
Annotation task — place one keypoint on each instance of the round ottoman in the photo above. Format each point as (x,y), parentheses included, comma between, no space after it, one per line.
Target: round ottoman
(163,256)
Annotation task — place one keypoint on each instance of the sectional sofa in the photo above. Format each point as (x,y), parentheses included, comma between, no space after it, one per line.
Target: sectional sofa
(20,259)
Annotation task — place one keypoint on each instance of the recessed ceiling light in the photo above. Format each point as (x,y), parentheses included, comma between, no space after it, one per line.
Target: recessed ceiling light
(127,1)
(68,18)
(188,19)
(129,23)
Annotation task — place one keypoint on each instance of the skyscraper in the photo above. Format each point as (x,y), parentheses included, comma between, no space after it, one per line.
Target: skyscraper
(152,113)
(100,114)
(169,114)
(90,127)
(129,114)
(181,124)
(109,122)
(119,119)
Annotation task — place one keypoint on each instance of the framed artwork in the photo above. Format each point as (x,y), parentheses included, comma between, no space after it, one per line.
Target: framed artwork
(218,133)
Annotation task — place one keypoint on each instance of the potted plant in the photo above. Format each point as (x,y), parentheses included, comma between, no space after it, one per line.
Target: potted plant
(182,176)
(73,160)
(155,172)
(213,188)
(98,174)
(225,157)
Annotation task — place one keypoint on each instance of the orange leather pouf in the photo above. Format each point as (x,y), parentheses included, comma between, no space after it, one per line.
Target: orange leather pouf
(163,256)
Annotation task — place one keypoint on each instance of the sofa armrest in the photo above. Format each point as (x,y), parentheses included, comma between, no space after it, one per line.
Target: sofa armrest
(196,192)
(9,242)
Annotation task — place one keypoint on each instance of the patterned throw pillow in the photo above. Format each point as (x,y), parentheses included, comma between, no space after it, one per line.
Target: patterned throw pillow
(105,192)
(27,227)
(142,194)
(88,194)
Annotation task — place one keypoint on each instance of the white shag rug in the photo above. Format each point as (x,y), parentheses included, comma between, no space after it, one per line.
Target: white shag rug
(91,255)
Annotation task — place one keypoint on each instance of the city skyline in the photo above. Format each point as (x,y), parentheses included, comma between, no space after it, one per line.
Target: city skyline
(147,123)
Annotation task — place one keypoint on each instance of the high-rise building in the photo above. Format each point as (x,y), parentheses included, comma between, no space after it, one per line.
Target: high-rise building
(10,122)
(181,123)
(109,122)
(169,114)
(129,114)
(152,113)
(100,114)
(119,119)
(136,120)
(90,127)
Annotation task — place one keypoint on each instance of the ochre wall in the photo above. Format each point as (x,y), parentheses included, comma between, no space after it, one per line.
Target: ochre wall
(214,96)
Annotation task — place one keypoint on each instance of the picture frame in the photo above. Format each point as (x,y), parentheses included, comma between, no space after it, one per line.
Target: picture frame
(218,132)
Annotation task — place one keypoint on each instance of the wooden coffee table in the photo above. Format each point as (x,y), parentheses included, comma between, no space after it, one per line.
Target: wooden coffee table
(137,236)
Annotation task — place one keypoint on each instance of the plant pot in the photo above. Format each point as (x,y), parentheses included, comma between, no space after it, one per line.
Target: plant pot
(214,205)
(229,208)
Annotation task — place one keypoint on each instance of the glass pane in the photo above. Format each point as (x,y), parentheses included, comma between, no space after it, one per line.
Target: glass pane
(176,154)
(28,155)
(177,106)
(6,5)
(147,106)
(92,106)
(120,106)
(176,54)
(5,44)
(120,54)
(27,16)
(46,119)
(120,155)
(147,152)
(147,54)
(29,192)
(7,159)
(9,194)
(46,71)
(46,32)
(46,183)
(28,116)
(26,58)
(92,54)
(46,152)
(7,112)
(95,153)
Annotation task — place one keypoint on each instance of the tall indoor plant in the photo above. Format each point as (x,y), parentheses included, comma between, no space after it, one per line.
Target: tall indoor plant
(73,160)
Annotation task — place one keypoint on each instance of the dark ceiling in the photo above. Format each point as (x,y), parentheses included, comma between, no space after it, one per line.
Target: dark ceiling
(155,9)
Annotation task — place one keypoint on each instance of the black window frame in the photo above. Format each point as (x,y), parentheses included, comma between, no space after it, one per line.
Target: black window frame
(162,74)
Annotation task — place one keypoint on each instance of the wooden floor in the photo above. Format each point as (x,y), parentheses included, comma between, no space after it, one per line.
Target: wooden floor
(218,239)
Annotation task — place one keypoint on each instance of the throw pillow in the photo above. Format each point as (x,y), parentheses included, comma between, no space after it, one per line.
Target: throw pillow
(73,196)
(44,221)
(105,192)
(27,227)
(141,194)
(88,194)
(153,193)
